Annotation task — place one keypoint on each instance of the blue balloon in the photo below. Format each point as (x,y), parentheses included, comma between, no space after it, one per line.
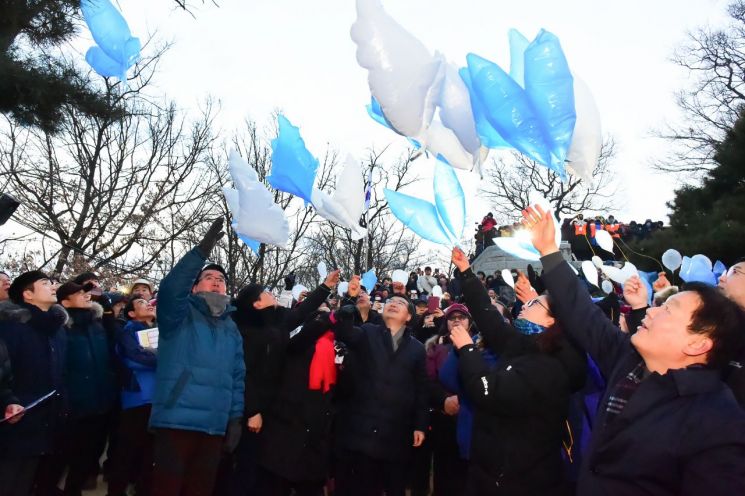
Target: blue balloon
(518,44)
(369,280)
(103,64)
(508,109)
(450,199)
(489,136)
(418,215)
(550,87)
(696,270)
(112,35)
(293,167)
(719,269)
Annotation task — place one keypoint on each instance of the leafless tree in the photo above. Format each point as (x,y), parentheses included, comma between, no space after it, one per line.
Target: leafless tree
(715,60)
(511,183)
(116,191)
(388,245)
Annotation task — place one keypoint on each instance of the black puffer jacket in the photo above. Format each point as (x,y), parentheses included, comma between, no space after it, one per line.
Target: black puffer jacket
(36,345)
(294,441)
(520,407)
(6,379)
(389,399)
(264,345)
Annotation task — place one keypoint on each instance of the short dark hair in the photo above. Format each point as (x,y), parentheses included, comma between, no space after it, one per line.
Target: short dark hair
(85,277)
(130,306)
(722,320)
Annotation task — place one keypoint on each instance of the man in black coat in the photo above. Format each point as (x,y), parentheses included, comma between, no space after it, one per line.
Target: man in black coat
(667,423)
(387,412)
(31,325)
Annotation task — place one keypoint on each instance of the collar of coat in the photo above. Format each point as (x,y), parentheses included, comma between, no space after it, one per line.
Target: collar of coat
(203,308)
(696,380)
(95,312)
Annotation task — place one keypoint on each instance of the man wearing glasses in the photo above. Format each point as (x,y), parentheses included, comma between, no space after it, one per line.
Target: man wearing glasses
(200,377)
(387,412)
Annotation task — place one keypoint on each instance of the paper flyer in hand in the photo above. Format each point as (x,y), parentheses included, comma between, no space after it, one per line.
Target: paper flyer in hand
(148,338)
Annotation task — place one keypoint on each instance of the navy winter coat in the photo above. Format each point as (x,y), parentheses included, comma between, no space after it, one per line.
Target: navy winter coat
(200,377)
(90,376)
(390,397)
(681,433)
(36,346)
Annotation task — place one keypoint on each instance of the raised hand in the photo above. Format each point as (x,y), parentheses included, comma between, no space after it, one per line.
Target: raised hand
(213,235)
(542,230)
(661,283)
(332,279)
(635,292)
(460,260)
(523,290)
(354,287)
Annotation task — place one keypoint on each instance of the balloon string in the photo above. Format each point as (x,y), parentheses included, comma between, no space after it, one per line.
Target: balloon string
(590,245)
(619,249)
(662,269)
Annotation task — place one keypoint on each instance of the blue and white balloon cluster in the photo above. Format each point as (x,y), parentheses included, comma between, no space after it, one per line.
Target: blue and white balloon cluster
(540,108)
(116,50)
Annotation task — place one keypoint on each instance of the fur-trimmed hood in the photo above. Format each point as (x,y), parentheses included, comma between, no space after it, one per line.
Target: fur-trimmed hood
(10,311)
(96,311)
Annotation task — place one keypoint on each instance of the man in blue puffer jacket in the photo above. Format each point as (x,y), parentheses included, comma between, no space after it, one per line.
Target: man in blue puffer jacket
(200,377)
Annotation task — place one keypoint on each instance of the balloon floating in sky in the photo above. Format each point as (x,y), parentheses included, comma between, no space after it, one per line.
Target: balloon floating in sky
(441,223)
(540,108)
(369,280)
(256,218)
(294,171)
(409,83)
(116,50)
(698,269)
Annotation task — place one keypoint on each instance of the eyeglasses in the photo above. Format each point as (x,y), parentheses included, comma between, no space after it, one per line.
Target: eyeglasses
(457,317)
(398,301)
(538,301)
(211,278)
(735,270)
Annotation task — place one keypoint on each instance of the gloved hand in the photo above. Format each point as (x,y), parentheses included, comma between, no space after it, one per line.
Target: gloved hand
(345,314)
(232,435)
(289,281)
(214,233)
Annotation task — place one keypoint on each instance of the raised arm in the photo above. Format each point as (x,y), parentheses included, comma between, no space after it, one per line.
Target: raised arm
(175,288)
(496,332)
(581,319)
(311,302)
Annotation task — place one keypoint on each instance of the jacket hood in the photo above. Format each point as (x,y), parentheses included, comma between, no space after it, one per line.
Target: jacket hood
(95,311)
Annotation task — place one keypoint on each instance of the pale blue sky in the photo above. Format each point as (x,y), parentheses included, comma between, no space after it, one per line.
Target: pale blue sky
(258,55)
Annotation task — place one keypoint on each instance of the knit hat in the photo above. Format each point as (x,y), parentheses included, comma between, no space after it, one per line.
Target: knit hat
(22,282)
(211,266)
(248,295)
(457,308)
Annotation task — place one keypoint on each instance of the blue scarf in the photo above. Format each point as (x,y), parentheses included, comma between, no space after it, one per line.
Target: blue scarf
(527,327)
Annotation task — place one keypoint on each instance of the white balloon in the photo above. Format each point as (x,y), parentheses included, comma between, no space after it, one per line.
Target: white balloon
(587,140)
(342,288)
(346,206)
(403,75)
(440,140)
(597,261)
(455,110)
(400,276)
(604,239)
(628,270)
(607,286)
(507,276)
(437,291)
(672,259)
(322,270)
(590,272)
(255,214)
(296,290)
(613,273)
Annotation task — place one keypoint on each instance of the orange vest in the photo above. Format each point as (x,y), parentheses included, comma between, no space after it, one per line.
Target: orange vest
(580,229)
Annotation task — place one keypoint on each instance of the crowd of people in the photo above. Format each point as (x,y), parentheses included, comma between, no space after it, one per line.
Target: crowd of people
(578,231)
(446,384)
